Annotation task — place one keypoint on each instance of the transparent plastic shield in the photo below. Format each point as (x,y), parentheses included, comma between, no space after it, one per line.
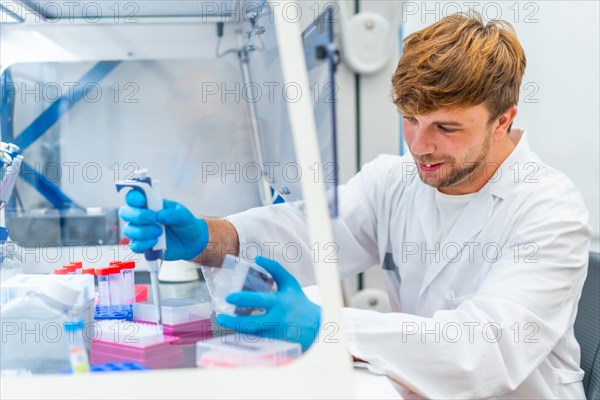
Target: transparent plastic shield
(219,139)
(135,114)
(271,99)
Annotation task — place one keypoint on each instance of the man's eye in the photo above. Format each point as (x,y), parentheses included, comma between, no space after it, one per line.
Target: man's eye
(410,119)
(444,129)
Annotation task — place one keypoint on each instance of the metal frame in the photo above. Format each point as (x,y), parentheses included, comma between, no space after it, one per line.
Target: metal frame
(32,7)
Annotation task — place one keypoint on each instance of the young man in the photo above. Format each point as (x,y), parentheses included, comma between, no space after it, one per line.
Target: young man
(484,247)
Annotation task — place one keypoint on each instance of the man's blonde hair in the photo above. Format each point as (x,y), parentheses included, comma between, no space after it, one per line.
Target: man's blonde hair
(459,62)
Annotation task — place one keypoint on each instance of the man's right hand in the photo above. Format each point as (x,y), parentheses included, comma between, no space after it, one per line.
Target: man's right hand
(187,236)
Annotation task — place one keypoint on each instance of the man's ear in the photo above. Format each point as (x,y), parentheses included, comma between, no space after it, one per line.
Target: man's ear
(504,121)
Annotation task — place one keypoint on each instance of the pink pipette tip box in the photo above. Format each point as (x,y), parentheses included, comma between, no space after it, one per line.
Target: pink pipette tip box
(158,355)
(201,328)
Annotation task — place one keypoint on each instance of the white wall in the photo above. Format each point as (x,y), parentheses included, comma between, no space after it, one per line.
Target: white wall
(559,97)
(559,100)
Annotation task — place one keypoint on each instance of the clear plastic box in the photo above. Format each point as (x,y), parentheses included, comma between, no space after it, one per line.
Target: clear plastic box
(235,351)
(174,311)
(236,275)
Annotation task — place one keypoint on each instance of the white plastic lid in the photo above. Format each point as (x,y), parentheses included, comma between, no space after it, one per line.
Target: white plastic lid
(60,291)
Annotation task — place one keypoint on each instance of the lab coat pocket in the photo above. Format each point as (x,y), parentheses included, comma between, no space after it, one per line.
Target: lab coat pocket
(454,301)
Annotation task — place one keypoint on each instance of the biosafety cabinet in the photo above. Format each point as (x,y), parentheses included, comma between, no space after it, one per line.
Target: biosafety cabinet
(231,104)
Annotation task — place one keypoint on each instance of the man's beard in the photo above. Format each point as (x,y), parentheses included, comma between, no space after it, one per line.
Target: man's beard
(452,172)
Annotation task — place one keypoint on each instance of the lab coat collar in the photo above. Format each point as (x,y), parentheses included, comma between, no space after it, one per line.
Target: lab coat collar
(520,165)
(475,215)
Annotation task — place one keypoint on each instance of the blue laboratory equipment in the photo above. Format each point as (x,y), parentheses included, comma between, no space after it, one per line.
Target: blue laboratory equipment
(118,366)
(101,314)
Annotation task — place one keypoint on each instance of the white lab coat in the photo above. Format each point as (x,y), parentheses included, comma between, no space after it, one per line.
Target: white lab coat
(492,313)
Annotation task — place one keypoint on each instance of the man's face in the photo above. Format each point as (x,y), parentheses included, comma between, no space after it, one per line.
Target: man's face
(451,147)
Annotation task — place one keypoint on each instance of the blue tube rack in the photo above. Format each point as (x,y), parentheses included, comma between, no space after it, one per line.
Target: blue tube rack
(114,367)
(126,313)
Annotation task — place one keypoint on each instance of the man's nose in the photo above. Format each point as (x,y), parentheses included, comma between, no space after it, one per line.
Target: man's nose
(421,143)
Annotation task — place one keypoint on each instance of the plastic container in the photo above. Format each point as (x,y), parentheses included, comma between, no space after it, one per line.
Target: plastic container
(104,299)
(127,270)
(228,279)
(236,351)
(236,275)
(20,285)
(90,272)
(119,341)
(210,277)
(128,333)
(32,328)
(174,311)
(78,355)
(110,284)
(190,332)
(154,356)
(117,264)
(115,281)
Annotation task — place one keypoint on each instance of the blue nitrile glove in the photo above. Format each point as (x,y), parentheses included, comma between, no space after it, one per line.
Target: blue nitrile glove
(187,235)
(289,314)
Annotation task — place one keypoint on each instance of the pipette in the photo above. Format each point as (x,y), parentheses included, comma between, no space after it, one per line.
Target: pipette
(151,190)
